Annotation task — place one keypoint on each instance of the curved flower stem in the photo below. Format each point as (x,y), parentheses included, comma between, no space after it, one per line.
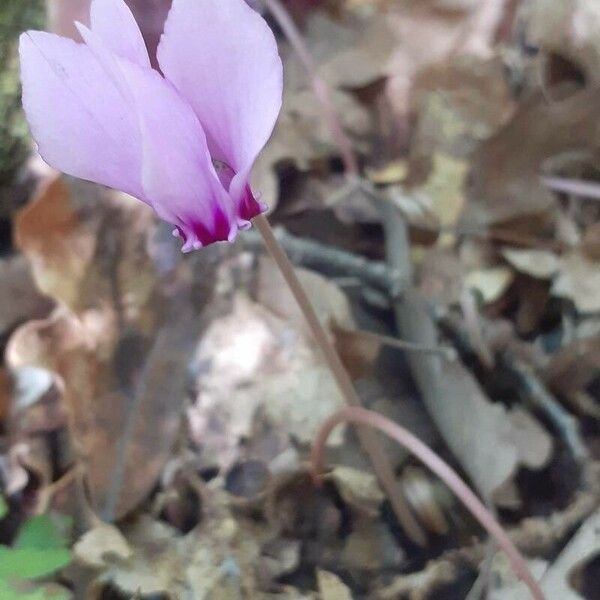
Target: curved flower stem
(368,440)
(358,415)
(320,88)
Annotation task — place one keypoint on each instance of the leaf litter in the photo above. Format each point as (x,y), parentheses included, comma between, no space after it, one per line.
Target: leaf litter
(187,390)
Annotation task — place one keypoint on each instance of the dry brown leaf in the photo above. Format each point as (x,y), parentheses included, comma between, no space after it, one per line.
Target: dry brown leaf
(504,182)
(86,246)
(103,378)
(458,105)
(427,36)
(118,346)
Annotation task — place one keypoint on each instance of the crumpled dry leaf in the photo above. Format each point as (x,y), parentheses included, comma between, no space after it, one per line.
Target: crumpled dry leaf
(221,558)
(428,36)
(458,105)
(575,276)
(571,29)
(504,181)
(103,380)
(354,52)
(254,367)
(86,246)
(302,136)
(118,343)
(483,435)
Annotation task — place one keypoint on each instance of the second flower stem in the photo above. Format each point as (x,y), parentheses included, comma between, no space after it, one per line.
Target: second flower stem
(369,441)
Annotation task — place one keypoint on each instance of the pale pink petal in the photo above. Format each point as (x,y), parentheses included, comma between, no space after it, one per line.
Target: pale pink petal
(78,116)
(222,57)
(178,176)
(113,21)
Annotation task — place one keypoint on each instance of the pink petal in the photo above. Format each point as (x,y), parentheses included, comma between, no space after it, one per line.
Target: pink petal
(222,57)
(113,21)
(178,176)
(78,116)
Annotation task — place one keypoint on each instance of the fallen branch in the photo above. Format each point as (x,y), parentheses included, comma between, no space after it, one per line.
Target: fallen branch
(331,261)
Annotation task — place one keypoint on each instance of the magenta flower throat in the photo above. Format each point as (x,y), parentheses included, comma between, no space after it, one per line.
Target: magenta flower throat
(182,140)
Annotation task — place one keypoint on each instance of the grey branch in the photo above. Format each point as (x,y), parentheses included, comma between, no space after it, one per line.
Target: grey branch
(332,261)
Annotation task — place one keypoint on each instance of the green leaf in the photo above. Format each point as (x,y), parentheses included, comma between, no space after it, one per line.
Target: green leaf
(31,563)
(8,592)
(39,532)
(3,507)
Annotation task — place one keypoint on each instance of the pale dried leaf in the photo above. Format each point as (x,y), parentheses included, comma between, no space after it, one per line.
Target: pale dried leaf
(489,283)
(332,587)
(542,264)
(99,546)
(358,488)
(579,281)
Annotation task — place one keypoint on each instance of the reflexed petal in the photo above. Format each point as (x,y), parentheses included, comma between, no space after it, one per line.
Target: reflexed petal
(222,57)
(115,24)
(178,176)
(78,116)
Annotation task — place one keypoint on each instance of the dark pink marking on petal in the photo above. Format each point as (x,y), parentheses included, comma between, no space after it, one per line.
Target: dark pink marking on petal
(249,207)
(196,233)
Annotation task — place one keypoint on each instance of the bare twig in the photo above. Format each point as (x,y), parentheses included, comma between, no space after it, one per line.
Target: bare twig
(370,443)
(576,187)
(414,445)
(330,260)
(537,395)
(531,389)
(320,88)
(446,352)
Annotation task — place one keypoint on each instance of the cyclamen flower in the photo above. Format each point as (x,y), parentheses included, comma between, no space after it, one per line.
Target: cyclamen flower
(183,141)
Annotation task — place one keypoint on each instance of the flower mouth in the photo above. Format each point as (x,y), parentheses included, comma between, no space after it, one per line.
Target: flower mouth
(195,234)
(247,205)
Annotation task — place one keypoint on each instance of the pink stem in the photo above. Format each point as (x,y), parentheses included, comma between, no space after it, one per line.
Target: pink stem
(319,86)
(360,415)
